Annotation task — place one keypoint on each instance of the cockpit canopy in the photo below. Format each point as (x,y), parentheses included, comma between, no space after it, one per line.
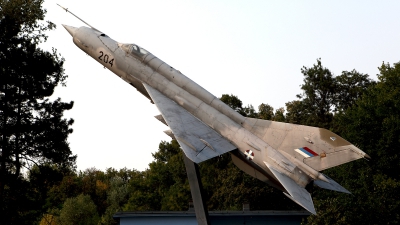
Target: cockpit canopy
(134,50)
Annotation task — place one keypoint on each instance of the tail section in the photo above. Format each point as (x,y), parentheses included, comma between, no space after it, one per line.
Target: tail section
(318,148)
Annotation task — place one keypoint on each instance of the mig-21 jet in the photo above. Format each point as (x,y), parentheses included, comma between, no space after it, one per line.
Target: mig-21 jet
(283,155)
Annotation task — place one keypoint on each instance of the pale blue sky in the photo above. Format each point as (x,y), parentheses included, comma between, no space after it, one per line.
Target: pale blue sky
(253,49)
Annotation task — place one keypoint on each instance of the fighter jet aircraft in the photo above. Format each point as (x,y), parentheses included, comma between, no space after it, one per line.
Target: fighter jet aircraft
(285,156)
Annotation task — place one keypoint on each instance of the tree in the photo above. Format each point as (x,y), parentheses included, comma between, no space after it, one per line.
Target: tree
(116,198)
(265,112)
(94,183)
(42,179)
(280,115)
(164,186)
(296,112)
(350,86)
(80,210)
(372,124)
(249,111)
(324,95)
(318,95)
(233,101)
(33,130)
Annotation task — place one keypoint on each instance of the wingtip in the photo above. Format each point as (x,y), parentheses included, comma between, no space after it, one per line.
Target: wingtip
(309,208)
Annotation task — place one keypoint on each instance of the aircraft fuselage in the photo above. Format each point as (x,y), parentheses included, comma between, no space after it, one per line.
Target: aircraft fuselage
(149,69)
(286,156)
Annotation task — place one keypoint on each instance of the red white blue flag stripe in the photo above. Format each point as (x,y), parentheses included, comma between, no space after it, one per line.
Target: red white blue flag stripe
(306,152)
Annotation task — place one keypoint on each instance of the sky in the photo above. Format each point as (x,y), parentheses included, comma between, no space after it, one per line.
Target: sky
(252,49)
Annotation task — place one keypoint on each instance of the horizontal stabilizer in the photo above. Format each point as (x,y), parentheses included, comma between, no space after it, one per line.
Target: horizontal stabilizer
(296,193)
(332,185)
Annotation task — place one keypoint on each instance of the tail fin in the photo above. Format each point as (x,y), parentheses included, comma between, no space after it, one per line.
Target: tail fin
(323,148)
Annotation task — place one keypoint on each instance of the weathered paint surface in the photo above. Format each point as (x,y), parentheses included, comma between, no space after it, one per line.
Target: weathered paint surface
(286,156)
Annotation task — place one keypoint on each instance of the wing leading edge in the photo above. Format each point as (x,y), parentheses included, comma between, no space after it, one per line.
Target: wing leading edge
(199,141)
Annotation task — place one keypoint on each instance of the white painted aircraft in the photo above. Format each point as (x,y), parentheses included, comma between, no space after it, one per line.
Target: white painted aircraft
(285,156)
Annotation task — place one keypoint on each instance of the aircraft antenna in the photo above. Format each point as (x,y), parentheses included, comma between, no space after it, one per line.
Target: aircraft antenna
(66,9)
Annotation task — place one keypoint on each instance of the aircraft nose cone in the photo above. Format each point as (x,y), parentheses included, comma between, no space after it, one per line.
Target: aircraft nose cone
(71,30)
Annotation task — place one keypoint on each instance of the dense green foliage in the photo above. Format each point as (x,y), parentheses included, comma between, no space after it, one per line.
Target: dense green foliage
(33,130)
(373,125)
(79,210)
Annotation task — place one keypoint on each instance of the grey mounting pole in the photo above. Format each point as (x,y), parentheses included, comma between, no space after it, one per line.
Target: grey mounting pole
(196,188)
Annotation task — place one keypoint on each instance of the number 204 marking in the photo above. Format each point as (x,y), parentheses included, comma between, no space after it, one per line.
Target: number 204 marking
(106,59)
